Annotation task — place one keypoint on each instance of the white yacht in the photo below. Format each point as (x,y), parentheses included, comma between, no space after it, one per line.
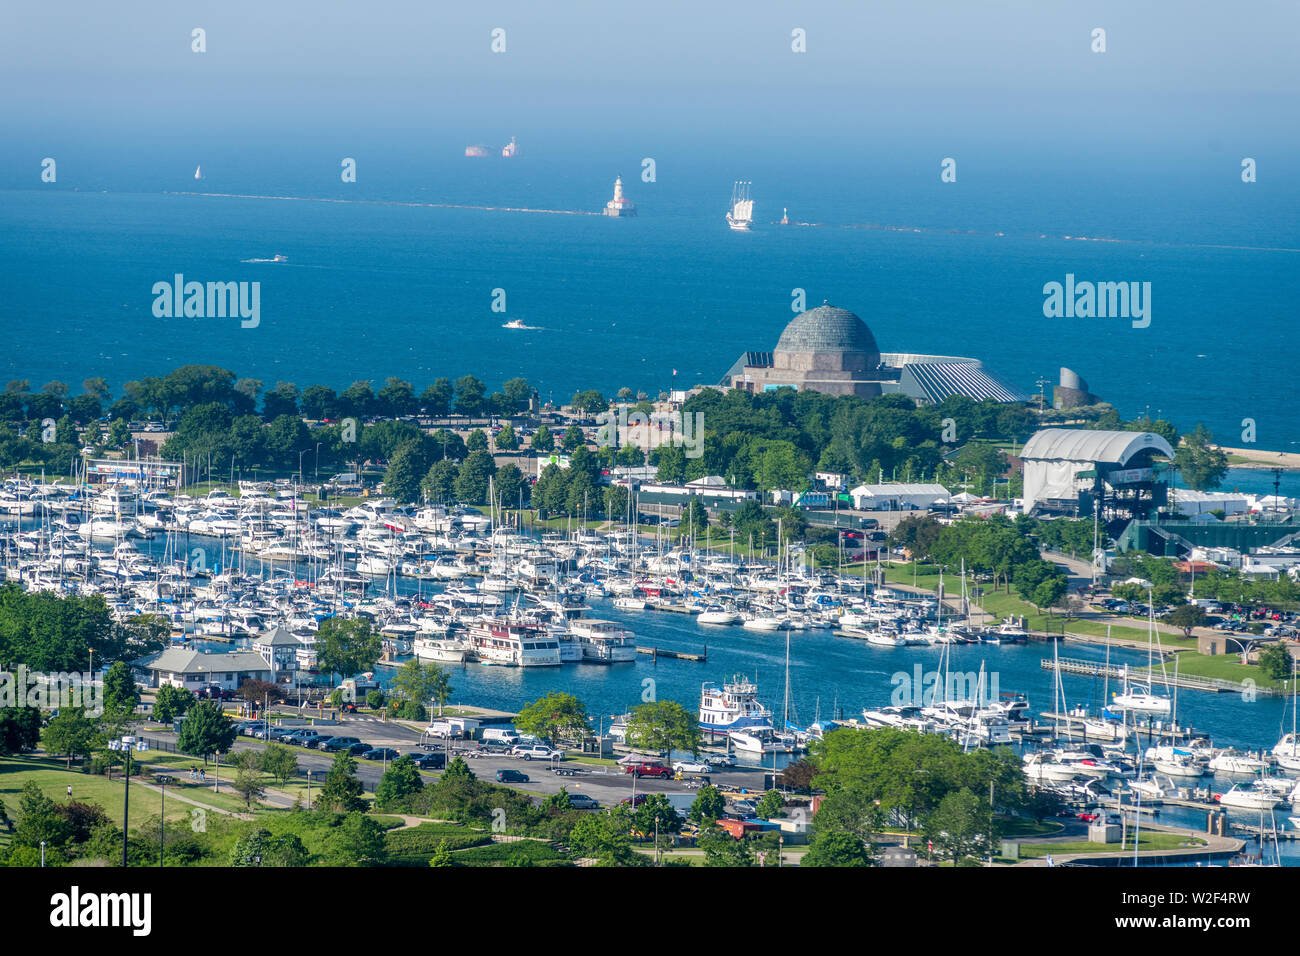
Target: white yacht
(503,641)
(442,650)
(604,642)
(733,706)
(717,614)
(1249,797)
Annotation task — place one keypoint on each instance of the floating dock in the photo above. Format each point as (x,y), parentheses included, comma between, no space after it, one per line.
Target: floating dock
(658,652)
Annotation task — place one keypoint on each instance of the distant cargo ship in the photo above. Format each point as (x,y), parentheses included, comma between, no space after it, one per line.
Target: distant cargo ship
(477,152)
(510,149)
(620,205)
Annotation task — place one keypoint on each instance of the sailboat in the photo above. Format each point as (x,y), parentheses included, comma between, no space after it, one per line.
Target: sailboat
(740,216)
(1287,750)
(198,172)
(1139,697)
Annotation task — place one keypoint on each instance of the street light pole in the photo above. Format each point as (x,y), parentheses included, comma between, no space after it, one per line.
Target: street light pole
(127,744)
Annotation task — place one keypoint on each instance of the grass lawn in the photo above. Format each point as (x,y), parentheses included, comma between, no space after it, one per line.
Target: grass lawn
(1020,827)
(1149,840)
(1221,666)
(594,761)
(51,776)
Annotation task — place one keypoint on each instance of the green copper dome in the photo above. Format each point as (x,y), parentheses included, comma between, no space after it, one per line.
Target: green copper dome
(827,329)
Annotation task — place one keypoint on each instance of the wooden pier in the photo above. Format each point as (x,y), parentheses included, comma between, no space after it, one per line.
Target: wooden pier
(657,652)
(1070,665)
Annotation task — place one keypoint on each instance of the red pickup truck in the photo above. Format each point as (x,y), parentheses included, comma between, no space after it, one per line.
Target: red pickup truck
(648,770)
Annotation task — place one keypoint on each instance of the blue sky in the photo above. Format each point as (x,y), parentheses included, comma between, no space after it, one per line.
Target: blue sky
(1009,71)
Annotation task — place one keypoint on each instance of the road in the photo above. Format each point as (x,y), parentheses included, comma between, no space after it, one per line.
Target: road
(608,785)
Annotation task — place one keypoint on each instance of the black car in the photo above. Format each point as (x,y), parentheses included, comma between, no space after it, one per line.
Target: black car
(380,753)
(335,744)
(511,776)
(431,761)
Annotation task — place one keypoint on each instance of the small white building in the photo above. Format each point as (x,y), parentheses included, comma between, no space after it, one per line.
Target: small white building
(195,670)
(279,649)
(893,496)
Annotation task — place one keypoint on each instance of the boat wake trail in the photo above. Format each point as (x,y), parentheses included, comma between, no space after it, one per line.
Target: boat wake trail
(389,202)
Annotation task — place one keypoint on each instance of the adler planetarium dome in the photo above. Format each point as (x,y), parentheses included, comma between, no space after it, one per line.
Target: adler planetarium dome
(831,350)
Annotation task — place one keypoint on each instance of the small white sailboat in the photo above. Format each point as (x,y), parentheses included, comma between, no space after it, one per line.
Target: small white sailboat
(198,172)
(740,216)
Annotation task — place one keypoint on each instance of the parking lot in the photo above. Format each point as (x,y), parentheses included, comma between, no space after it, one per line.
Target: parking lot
(606,784)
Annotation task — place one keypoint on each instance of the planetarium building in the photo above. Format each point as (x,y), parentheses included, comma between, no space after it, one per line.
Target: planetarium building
(831,350)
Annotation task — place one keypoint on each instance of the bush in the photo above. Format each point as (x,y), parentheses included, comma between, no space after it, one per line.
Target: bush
(375,699)
(415,846)
(518,853)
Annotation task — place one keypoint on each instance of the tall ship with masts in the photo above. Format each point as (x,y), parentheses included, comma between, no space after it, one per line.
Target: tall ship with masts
(740,216)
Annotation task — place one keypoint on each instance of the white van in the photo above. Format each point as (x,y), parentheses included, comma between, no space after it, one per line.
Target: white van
(500,735)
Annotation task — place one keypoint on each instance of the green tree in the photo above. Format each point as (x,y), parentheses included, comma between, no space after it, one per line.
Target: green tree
(709,806)
(406,470)
(832,848)
(71,733)
(342,790)
(960,825)
(120,692)
(1186,617)
(39,819)
(771,806)
(476,440)
(722,849)
(469,395)
(417,682)
(436,399)
(555,716)
(663,725)
(1275,661)
(604,836)
(1202,465)
(439,484)
(506,439)
(259,848)
(280,762)
(347,646)
(542,439)
(20,730)
(472,481)
(206,730)
(171,702)
(248,784)
(358,840)
(442,855)
(399,785)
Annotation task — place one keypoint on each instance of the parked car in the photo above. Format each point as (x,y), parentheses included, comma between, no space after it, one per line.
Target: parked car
(307,738)
(743,808)
(495,749)
(335,744)
(537,752)
(358,748)
(690,766)
(636,801)
(254,729)
(648,770)
(380,753)
(720,760)
(511,776)
(580,801)
(430,761)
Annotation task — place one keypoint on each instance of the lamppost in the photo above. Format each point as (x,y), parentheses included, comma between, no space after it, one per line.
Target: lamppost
(127,744)
(318,461)
(309,788)
(163,780)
